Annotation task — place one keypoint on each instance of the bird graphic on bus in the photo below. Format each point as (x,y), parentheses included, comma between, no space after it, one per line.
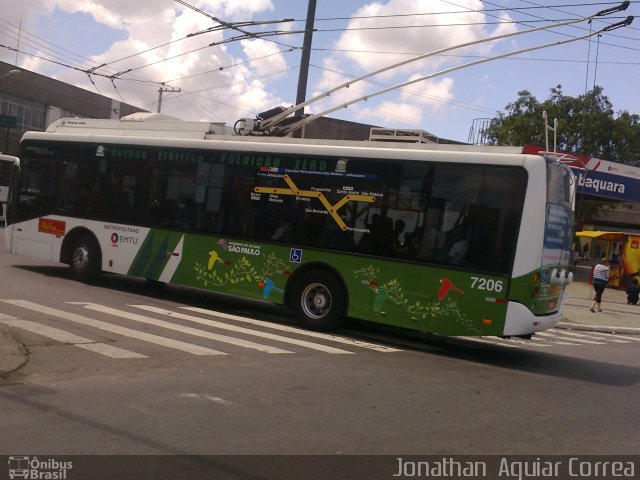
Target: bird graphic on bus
(268,286)
(445,286)
(215,258)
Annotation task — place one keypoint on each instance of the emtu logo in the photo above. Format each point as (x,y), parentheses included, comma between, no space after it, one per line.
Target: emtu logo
(114,239)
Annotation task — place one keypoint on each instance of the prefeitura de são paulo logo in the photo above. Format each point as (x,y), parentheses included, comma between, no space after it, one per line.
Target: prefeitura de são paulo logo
(38,469)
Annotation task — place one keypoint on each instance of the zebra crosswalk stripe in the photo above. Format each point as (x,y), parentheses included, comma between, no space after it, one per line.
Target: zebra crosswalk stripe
(580,341)
(63,336)
(297,331)
(127,332)
(617,336)
(179,328)
(594,336)
(247,331)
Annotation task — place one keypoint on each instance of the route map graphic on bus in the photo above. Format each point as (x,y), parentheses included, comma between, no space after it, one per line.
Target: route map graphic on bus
(332,209)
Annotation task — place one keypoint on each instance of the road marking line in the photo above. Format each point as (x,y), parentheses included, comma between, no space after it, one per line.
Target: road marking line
(69,338)
(179,328)
(298,331)
(529,342)
(247,331)
(109,350)
(127,332)
(551,335)
(592,336)
(579,340)
(615,335)
(211,398)
(555,342)
(490,342)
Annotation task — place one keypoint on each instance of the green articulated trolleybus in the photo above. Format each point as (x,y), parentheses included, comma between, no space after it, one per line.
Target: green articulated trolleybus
(446,239)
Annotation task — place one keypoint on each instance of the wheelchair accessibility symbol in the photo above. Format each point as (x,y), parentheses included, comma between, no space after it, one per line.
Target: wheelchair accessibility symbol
(295,256)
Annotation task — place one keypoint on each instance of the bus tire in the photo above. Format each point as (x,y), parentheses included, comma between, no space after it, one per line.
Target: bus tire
(318,300)
(85,259)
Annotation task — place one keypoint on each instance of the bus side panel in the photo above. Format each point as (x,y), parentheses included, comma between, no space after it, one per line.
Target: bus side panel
(426,298)
(451,302)
(38,238)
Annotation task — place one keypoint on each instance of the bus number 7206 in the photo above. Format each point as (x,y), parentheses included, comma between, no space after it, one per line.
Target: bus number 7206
(487,284)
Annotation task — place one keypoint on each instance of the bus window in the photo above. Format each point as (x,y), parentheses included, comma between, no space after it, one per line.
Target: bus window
(82,189)
(128,190)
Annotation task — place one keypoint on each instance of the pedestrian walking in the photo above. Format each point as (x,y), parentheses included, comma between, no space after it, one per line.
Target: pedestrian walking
(600,280)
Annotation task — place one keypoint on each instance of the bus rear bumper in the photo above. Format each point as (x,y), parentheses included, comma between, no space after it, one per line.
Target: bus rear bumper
(520,320)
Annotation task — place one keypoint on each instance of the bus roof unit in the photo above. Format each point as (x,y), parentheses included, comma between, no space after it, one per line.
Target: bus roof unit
(140,125)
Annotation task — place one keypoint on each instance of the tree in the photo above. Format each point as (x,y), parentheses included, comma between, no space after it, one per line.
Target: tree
(587,125)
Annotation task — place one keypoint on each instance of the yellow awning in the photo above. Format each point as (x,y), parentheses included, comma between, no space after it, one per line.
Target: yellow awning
(616,236)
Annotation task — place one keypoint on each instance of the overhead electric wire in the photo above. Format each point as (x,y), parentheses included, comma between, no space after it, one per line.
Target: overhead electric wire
(418,14)
(226,67)
(418,94)
(229,25)
(271,124)
(539,18)
(451,55)
(250,79)
(437,25)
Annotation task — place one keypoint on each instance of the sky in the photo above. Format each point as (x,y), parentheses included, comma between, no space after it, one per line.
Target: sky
(129,50)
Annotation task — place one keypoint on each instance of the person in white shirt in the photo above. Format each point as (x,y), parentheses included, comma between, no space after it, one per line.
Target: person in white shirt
(600,280)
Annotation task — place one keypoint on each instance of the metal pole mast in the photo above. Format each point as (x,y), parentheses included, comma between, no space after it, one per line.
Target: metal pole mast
(306,55)
(165,89)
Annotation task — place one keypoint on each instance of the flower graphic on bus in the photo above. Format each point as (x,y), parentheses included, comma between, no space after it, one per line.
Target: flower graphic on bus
(391,291)
(242,271)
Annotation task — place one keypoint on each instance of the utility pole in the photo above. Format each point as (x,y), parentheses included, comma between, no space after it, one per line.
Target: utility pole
(306,56)
(161,90)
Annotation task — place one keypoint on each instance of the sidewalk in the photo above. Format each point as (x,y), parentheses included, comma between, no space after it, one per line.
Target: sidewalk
(617,316)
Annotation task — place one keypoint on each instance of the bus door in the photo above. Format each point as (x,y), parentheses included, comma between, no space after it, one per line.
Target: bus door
(8,172)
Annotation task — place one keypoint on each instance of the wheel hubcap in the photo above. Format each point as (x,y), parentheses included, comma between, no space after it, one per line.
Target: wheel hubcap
(80,258)
(316,301)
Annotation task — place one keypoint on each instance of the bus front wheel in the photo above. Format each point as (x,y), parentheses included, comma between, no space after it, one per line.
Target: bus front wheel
(85,259)
(318,300)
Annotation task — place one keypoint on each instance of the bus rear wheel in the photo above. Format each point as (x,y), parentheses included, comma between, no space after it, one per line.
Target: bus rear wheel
(85,259)
(318,300)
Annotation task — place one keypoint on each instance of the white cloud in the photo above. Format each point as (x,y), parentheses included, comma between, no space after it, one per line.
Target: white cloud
(432,31)
(432,94)
(392,114)
(198,69)
(360,49)
(267,54)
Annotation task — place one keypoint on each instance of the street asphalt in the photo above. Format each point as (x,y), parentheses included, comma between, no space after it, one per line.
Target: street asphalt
(617,317)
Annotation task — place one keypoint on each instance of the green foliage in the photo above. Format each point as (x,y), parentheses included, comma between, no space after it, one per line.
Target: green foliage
(241,271)
(587,125)
(431,309)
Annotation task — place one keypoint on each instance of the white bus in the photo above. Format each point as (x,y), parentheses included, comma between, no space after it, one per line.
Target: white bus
(453,240)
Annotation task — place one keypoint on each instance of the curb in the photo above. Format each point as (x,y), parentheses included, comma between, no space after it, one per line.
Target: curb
(599,328)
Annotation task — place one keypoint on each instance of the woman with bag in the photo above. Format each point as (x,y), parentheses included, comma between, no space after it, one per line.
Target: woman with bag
(600,280)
